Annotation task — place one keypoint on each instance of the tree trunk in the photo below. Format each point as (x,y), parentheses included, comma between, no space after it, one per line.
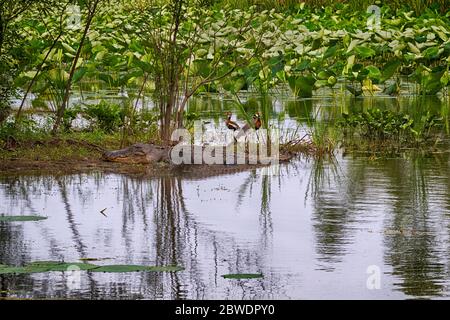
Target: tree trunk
(62,108)
(2,33)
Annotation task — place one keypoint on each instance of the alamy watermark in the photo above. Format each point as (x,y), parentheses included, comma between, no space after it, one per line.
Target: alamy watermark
(73,17)
(230,148)
(73,280)
(374,279)
(374,21)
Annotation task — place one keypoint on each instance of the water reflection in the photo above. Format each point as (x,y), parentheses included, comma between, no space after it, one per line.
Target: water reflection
(416,244)
(313,230)
(318,221)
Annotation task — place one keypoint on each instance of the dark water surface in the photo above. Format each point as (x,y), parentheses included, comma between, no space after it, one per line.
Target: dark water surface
(320,229)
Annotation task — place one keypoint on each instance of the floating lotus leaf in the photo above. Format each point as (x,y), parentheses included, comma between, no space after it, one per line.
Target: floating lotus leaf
(23,270)
(48,266)
(21,218)
(62,266)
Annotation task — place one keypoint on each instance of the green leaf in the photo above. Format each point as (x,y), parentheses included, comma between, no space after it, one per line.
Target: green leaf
(431,53)
(331,52)
(201,53)
(234,85)
(69,48)
(30,74)
(324,75)
(202,68)
(332,81)
(22,270)
(374,73)
(79,74)
(445,79)
(364,52)
(389,69)
(302,86)
(52,266)
(60,266)
(413,48)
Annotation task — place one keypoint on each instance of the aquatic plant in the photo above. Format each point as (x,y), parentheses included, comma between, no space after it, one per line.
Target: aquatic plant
(390,129)
(131,45)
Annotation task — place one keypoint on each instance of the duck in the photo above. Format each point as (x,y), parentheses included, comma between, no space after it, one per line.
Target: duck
(230,123)
(257,120)
(256,125)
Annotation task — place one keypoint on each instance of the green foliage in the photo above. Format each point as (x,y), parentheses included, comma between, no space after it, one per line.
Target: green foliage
(417,6)
(12,133)
(250,45)
(307,48)
(375,124)
(107,117)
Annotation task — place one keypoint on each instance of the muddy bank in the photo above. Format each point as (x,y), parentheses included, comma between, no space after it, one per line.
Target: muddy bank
(138,159)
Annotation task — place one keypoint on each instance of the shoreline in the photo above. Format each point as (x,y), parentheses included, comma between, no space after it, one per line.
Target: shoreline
(69,155)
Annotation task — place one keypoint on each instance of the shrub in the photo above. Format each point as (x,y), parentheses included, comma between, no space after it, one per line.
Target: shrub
(108,117)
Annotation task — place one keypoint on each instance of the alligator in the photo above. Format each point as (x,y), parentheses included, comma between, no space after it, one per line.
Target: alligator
(140,153)
(145,153)
(158,160)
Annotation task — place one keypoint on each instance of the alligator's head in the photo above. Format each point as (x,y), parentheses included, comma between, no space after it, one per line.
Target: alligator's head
(140,153)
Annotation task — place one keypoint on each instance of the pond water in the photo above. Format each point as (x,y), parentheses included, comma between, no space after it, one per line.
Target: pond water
(318,229)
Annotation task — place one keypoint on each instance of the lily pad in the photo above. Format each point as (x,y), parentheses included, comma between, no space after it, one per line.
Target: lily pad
(136,268)
(243,276)
(21,218)
(23,270)
(61,266)
(45,266)
(48,266)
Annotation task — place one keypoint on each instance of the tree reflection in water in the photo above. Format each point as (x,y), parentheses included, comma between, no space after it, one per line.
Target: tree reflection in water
(163,221)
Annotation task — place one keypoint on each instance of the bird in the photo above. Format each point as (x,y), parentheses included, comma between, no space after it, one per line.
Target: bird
(256,124)
(257,120)
(230,123)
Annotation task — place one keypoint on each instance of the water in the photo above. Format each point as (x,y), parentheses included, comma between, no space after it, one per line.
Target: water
(320,229)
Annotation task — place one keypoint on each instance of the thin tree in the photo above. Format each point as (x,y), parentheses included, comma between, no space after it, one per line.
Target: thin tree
(173,36)
(41,65)
(91,8)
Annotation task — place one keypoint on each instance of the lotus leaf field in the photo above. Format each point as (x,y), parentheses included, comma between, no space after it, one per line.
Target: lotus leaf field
(305,50)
